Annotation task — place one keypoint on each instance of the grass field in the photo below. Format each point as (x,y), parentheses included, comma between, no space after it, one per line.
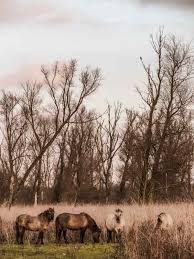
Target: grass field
(138,242)
(52,251)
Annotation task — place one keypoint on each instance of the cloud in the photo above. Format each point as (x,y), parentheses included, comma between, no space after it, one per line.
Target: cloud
(28,72)
(20,11)
(183,4)
(44,12)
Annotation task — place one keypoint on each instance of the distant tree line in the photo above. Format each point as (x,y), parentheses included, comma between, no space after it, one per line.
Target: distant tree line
(54,149)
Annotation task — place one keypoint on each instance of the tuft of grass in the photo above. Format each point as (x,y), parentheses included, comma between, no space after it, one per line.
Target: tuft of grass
(142,242)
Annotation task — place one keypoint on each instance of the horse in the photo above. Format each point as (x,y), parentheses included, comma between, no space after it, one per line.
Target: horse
(115,223)
(81,221)
(164,221)
(33,223)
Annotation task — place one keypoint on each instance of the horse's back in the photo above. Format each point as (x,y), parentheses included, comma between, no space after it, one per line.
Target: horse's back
(72,221)
(28,222)
(110,222)
(22,219)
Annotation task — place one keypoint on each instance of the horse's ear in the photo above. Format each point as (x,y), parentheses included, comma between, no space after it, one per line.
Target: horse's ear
(119,210)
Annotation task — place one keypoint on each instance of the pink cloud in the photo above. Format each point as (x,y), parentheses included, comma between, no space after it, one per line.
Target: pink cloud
(23,74)
(17,11)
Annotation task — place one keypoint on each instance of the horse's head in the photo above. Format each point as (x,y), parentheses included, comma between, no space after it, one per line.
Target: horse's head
(49,214)
(118,214)
(96,234)
(164,221)
(159,222)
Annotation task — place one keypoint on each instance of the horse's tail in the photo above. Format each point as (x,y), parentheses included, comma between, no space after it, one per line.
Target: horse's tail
(17,230)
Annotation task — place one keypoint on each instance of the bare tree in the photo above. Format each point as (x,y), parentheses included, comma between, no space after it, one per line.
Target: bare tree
(39,130)
(108,141)
(175,167)
(66,94)
(76,157)
(154,84)
(177,94)
(13,148)
(128,154)
(60,170)
(168,92)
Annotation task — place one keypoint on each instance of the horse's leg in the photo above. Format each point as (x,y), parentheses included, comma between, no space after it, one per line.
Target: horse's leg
(58,234)
(114,237)
(40,238)
(17,233)
(82,233)
(64,235)
(118,237)
(109,236)
(22,235)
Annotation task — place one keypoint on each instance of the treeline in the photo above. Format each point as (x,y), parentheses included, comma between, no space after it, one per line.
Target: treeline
(54,149)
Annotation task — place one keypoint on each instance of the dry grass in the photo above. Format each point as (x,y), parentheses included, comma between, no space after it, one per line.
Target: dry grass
(139,240)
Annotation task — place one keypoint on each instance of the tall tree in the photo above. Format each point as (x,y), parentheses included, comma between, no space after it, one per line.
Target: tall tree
(13,128)
(65,93)
(168,92)
(108,141)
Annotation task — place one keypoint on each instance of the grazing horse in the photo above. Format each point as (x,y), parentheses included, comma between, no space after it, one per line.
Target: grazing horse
(115,223)
(38,223)
(164,222)
(80,222)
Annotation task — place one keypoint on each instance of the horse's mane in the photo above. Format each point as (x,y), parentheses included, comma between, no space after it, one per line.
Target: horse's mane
(45,215)
(162,213)
(91,220)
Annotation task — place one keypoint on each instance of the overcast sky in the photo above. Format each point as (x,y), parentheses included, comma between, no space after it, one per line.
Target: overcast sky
(110,34)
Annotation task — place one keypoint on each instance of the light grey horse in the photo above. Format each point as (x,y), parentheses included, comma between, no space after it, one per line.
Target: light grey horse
(164,221)
(115,224)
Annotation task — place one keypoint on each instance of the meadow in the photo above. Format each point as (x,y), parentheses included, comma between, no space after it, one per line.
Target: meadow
(139,240)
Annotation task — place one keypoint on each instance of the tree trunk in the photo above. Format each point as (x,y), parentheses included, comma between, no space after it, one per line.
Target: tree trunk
(11,192)
(39,182)
(35,199)
(123,180)
(147,145)
(60,178)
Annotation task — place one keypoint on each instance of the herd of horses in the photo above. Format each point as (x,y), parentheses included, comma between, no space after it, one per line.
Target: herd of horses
(114,223)
(63,222)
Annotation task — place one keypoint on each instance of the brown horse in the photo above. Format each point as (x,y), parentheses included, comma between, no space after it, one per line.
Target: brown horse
(38,223)
(80,222)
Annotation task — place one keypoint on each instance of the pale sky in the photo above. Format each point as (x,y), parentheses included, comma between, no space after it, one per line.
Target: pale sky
(110,34)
